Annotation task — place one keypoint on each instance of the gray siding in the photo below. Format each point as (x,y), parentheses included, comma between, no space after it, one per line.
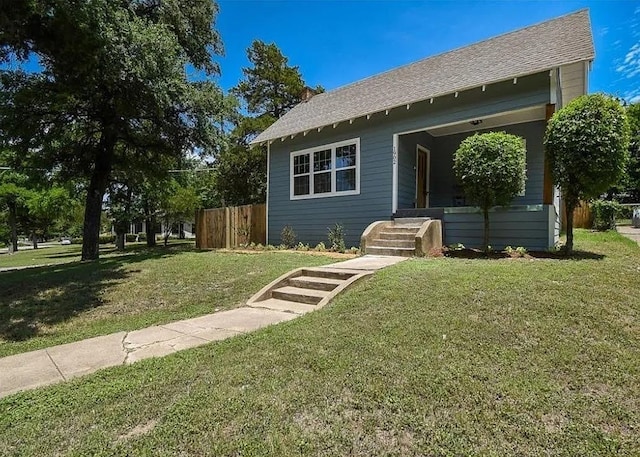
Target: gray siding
(310,218)
(515,226)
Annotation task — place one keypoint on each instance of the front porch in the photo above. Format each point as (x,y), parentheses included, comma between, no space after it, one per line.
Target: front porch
(425,186)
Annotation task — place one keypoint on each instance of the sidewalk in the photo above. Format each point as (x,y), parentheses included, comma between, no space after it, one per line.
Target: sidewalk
(630,232)
(60,363)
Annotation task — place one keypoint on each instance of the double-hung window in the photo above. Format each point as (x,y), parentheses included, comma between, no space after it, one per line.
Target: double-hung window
(329,170)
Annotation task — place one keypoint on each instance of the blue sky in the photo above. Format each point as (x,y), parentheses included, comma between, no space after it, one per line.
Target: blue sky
(338,42)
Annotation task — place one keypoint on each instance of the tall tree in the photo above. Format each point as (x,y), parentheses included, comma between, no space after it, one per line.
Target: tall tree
(269,89)
(632,186)
(586,143)
(112,80)
(14,193)
(45,206)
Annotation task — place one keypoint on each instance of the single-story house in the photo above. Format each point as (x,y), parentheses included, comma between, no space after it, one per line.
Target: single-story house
(383,147)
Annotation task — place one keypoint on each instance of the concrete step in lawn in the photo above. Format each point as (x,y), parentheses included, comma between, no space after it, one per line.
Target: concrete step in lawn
(391,251)
(305,289)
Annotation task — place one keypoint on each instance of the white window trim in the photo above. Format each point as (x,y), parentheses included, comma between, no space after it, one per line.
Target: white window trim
(334,192)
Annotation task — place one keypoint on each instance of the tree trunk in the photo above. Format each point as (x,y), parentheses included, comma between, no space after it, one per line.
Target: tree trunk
(167,232)
(34,240)
(569,208)
(120,237)
(95,195)
(150,226)
(13,229)
(485,212)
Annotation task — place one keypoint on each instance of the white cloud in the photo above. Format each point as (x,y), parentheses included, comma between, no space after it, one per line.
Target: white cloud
(632,96)
(631,65)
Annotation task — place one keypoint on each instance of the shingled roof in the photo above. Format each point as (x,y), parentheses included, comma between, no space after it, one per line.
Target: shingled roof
(533,49)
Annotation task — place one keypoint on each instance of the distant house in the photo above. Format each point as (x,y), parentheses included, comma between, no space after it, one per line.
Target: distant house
(181,229)
(383,147)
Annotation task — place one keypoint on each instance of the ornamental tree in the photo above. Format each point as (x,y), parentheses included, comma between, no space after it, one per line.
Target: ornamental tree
(586,145)
(491,169)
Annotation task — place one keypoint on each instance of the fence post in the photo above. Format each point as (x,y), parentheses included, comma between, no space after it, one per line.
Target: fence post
(227,227)
(197,229)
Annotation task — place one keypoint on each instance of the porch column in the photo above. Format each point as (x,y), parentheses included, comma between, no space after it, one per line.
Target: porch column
(394,181)
(547,186)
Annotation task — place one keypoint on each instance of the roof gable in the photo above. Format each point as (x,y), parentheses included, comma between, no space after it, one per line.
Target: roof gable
(533,49)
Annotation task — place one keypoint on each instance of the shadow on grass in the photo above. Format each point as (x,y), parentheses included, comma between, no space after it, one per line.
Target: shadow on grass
(52,294)
(560,255)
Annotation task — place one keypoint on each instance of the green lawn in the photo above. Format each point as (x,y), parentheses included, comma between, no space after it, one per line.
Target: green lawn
(51,254)
(45,306)
(41,256)
(433,357)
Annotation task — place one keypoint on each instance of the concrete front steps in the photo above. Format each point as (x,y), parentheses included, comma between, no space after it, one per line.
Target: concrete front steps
(401,237)
(305,289)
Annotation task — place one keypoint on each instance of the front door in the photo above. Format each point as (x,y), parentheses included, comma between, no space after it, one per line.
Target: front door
(422,177)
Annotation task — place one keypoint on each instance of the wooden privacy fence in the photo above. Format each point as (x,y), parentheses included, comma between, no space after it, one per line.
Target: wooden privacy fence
(231,227)
(582,217)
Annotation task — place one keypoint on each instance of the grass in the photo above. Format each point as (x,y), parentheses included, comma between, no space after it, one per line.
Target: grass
(45,306)
(429,357)
(46,255)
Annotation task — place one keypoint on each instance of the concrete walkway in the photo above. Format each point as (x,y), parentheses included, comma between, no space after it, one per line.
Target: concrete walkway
(60,363)
(630,232)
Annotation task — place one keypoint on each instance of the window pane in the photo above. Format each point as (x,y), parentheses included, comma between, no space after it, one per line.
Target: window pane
(322,160)
(301,164)
(301,185)
(322,183)
(346,156)
(345,180)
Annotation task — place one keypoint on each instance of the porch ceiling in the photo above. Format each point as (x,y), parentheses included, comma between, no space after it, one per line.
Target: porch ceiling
(536,113)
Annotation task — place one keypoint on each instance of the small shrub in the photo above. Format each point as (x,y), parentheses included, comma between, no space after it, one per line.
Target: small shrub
(320,247)
(604,214)
(259,247)
(130,237)
(302,247)
(456,247)
(520,251)
(336,238)
(354,250)
(142,237)
(269,247)
(288,236)
(282,247)
(103,239)
(251,246)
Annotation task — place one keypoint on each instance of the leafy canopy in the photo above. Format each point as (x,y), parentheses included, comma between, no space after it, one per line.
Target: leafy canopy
(271,87)
(633,167)
(491,168)
(586,144)
(112,92)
